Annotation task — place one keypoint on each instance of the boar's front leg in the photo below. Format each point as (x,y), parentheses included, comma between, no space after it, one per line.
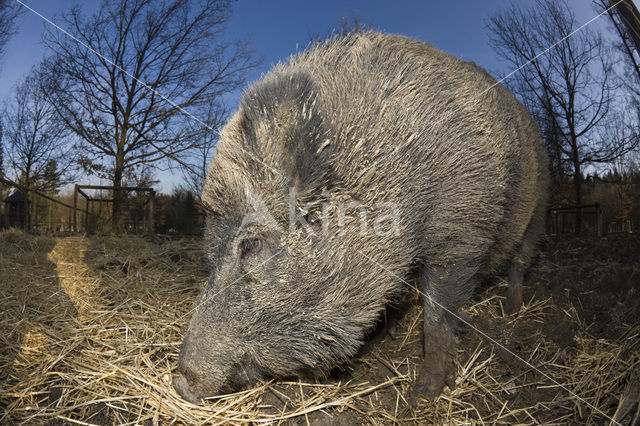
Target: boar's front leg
(445,289)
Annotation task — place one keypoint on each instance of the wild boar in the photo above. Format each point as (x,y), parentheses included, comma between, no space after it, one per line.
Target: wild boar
(347,169)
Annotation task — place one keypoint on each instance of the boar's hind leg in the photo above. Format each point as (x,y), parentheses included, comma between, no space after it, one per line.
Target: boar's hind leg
(514,294)
(445,290)
(522,259)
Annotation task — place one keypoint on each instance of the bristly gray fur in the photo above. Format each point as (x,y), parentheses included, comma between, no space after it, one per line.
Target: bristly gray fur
(373,118)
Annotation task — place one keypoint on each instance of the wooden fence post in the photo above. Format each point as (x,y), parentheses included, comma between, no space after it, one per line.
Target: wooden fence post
(86,215)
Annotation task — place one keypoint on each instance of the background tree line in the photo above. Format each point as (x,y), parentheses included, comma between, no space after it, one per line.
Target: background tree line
(582,87)
(139,86)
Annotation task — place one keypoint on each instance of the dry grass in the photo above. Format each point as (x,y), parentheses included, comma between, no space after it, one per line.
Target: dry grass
(91,328)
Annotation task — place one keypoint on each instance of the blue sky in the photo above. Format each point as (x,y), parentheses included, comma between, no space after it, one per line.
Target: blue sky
(279,28)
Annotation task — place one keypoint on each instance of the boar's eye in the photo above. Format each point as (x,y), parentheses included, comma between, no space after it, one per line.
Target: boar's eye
(250,246)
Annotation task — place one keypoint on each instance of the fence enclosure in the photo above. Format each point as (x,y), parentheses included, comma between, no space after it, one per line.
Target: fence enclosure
(564,220)
(83,212)
(137,212)
(89,209)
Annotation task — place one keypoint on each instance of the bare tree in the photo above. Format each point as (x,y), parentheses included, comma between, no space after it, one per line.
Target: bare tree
(38,149)
(132,76)
(561,74)
(2,186)
(1,155)
(625,20)
(9,11)
(348,24)
(195,161)
(622,136)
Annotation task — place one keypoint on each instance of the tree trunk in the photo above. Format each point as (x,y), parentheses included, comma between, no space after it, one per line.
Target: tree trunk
(117,194)
(577,182)
(631,18)
(28,195)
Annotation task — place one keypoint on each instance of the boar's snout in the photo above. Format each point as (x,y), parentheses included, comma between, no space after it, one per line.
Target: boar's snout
(181,385)
(194,386)
(213,369)
(198,376)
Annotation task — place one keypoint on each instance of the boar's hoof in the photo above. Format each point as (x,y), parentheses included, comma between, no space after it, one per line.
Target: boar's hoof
(512,306)
(513,302)
(437,369)
(434,373)
(514,294)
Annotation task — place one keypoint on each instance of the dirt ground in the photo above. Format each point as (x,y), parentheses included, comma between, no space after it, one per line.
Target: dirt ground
(91,327)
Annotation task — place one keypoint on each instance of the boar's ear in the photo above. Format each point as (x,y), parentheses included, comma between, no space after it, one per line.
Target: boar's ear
(282,117)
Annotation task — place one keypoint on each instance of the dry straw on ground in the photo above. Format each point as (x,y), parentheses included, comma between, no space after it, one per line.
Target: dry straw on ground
(91,328)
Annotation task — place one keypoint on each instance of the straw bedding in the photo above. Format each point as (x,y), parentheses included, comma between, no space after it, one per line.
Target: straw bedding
(91,328)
